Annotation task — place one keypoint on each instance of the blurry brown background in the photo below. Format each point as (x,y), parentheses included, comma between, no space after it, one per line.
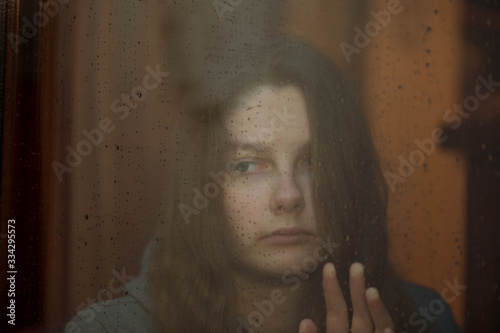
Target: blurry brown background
(101,215)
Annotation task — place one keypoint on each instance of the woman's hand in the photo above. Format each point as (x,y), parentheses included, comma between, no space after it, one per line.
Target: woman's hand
(369,313)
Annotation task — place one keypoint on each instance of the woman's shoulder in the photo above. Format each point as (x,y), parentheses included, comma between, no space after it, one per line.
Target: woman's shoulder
(430,309)
(130,313)
(124,314)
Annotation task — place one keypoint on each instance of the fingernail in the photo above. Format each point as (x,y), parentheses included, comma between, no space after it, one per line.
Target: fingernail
(329,269)
(388,330)
(357,268)
(306,326)
(372,293)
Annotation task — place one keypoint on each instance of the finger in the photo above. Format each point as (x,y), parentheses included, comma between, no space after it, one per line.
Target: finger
(307,326)
(381,317)
(337,319)
(361,320)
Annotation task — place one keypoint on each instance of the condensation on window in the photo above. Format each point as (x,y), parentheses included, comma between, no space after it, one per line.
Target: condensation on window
(199,165)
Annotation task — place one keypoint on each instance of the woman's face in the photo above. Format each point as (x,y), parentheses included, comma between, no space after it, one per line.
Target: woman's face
(268,201)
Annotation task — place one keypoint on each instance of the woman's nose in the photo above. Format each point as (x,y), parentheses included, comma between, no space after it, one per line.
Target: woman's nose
(287,196)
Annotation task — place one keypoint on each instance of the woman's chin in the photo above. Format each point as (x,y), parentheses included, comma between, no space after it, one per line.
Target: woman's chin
(282,263)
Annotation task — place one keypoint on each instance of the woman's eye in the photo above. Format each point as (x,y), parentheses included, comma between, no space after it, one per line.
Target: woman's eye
(243,167)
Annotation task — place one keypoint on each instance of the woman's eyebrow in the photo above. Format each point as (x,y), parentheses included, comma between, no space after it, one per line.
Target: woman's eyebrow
(257,147)
(262,148)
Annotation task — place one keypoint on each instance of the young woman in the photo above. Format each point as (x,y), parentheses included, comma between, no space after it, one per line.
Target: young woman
(275,217)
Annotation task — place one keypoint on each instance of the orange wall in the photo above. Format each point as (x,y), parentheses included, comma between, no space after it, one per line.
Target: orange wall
(409,73)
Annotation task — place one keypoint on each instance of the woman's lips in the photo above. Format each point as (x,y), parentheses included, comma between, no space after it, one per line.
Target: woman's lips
(287,236)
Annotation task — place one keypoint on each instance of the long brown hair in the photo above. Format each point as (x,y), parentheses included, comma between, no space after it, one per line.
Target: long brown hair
(192,290)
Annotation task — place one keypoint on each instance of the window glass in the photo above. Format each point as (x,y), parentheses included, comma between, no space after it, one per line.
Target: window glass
(205,165)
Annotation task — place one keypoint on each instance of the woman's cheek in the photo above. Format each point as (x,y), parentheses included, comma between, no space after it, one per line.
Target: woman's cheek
(242,201)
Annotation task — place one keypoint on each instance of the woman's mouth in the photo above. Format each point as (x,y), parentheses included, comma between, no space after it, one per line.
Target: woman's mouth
(287,236)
